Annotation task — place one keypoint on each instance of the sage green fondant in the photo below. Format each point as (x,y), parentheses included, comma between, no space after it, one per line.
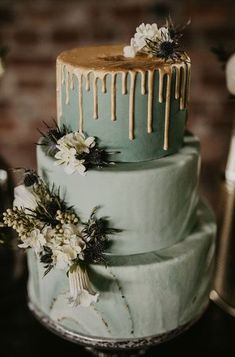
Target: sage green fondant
(140,295)
(115,134)
(153,202)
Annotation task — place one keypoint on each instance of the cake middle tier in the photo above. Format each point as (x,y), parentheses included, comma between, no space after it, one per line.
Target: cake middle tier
(153,202)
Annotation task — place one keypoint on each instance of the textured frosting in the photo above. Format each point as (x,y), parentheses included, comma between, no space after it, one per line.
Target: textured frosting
(135,106)
(153,202)
(140,295)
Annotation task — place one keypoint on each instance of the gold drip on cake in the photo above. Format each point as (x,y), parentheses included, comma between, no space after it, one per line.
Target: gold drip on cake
(103,84)
(59,91)
(131,104)
(87,76)
(143,91)
(67,85)
(177,82)
(161,81)
(72,81)
(63,66)
(80,101)
(113,96)
(167,111)
(150,102)
(188,81)
(124,83)
(95,99)
(183,86)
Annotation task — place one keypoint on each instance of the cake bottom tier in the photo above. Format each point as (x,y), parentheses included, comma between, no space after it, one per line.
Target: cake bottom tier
(141,295)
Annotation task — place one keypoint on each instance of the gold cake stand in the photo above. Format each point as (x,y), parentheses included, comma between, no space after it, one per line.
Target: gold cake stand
(103,347)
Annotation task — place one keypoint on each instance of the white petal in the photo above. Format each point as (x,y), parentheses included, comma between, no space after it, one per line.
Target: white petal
(81,169)
(23,245)
(90,141)
(164,33)
(81,292)
(129,51)
(79,135)
(24,198)
(72,151)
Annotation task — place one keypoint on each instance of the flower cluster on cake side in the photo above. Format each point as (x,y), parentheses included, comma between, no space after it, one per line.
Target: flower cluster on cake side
(75,151)
(45,223)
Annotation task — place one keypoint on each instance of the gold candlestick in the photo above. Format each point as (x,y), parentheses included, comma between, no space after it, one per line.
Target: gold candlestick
(223,293)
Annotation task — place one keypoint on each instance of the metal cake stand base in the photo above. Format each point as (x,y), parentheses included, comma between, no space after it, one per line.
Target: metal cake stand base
(104,347)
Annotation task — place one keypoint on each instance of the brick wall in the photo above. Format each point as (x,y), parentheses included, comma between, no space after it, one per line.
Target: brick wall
(36,31)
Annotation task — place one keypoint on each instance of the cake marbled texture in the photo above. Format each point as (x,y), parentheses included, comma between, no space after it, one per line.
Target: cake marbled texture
(153,202)
(140,295)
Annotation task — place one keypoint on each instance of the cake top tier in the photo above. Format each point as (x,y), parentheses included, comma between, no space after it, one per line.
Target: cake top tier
(133,98)
(111,59)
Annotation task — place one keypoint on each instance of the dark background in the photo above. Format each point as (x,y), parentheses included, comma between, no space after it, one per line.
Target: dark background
(36,32)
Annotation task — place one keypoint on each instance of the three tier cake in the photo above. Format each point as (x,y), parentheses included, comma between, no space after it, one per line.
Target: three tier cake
(120,145)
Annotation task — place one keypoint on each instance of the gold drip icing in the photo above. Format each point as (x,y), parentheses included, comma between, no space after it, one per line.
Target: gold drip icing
(131,104)
(94,64)
(88,81)
(183,86)
(124,80)
(80,101)
(67,85)
(71,81)
(113,96)
(161,82)
(188,82)
(95,101)
(59,91)
(150,102)
(143,82)
(103,84)
(62,73)
(177,82)
(167,111)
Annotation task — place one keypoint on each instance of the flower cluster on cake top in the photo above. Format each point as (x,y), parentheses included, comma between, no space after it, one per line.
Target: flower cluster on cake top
(73,150)
(45,223)
(162,42)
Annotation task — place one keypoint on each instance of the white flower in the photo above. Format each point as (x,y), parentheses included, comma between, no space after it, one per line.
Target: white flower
(77,141)
(53,239)
(138,42)
(24,198)
(130,51)
(71,230)
(81,292)
(68,246)
(143,32)
(230,74)
(69,147)
(75,165)
(65,155)
(35,240)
